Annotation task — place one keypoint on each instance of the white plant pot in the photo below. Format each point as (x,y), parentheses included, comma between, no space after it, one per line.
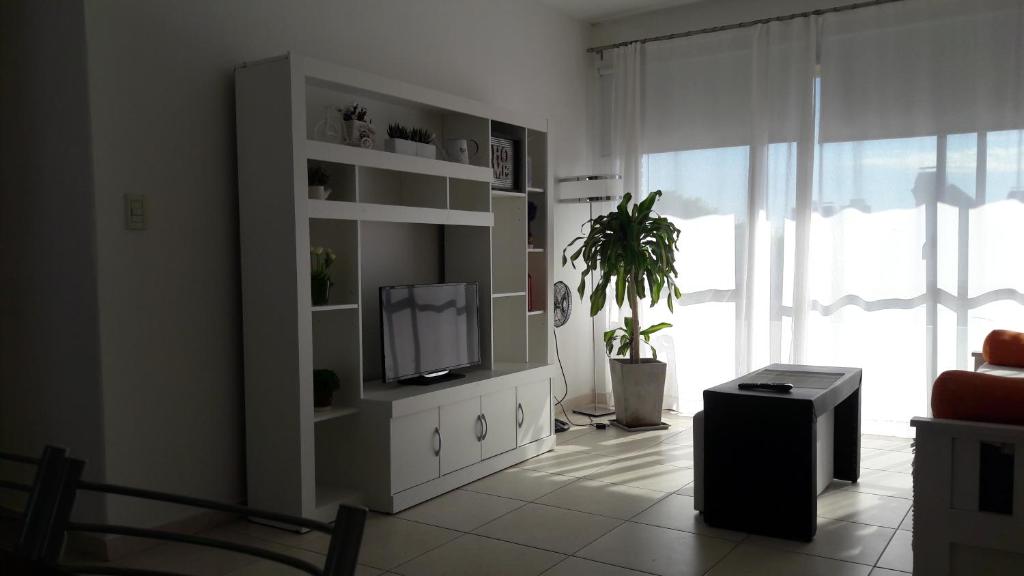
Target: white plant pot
(402,146)
(319,192)
(639,391)
(426,150)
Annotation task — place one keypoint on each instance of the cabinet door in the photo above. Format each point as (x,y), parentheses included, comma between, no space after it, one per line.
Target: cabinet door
(533,411)
(461,429)
(415,449)
(499,410)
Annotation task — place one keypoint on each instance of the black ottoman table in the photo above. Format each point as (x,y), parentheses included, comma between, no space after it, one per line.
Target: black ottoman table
(760,471)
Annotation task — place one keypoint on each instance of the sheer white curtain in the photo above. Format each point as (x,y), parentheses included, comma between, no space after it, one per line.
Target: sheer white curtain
(861,212)
(729,140)
(627,113)
(913,256)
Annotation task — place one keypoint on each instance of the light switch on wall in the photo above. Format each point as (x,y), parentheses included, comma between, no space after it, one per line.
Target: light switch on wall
(135,211)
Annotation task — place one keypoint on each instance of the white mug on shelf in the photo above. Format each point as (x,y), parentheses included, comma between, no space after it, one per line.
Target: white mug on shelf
(458,150)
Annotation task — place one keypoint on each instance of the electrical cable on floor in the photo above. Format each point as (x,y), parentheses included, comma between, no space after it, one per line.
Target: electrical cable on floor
(566,381)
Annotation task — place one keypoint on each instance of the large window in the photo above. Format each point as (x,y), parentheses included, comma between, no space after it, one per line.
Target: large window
(850,191)
(908,263)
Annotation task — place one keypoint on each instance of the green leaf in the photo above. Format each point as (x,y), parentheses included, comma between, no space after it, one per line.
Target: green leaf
(657,327)
(623,348)
(577,253)
(620,290)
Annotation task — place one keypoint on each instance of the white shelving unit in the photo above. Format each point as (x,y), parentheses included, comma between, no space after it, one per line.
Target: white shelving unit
(391,219)
(328,308)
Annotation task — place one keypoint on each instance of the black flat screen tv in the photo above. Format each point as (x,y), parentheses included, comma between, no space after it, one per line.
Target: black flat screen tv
(427,330)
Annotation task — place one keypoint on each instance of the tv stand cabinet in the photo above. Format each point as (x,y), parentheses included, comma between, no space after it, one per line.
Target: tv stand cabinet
(475,426)
(392,219)
(446,376)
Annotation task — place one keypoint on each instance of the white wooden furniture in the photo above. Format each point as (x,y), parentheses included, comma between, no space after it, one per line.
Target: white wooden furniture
(952,533)
(392,219)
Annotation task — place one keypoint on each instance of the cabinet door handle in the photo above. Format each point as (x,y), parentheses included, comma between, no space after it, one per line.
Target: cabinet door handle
(437,432)
(522,414)
(483,417)
(480,430)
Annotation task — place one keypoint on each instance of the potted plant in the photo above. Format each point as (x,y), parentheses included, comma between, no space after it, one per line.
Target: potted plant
(325,383)
(320,281)
(634,251)
(317,179)
(399,140)
(358,129)
(424,140)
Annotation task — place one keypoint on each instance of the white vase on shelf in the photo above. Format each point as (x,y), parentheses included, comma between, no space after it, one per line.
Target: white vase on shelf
(402,146)
(426,150)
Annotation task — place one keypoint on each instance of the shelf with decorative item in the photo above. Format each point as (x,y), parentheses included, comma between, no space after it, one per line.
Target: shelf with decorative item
(330,307)
(329,210)
(342,154)
(508,294)
(507,194)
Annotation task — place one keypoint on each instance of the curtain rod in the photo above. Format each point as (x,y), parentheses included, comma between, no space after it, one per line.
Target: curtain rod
(843,8)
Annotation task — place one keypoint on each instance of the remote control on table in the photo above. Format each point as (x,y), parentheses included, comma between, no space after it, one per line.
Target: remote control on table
(766,386)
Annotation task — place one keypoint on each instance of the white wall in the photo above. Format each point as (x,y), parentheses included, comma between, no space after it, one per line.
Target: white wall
(160,79)
(49,350)
(698,15)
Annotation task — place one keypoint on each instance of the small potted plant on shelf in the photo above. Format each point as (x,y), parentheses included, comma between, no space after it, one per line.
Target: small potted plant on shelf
(358,129)
(320,281)
(634,250)
(318,179)
(399,140)
(424,140)
(325,384)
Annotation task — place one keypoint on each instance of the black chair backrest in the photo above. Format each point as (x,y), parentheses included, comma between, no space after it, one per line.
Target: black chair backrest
(43,504)
(342,555)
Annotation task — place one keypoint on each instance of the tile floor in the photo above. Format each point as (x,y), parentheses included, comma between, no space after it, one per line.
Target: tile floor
(603,503)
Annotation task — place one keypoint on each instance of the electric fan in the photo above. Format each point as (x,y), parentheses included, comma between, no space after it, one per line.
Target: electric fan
(563,309)
(563,304)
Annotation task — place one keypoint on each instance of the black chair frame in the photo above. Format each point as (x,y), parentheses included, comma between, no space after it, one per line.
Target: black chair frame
(47,520)
(43,506)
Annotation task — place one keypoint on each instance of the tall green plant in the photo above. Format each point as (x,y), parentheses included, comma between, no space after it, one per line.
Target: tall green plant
(635,249)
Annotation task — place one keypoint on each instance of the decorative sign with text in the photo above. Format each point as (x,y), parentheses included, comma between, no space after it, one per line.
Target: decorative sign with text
(503,157)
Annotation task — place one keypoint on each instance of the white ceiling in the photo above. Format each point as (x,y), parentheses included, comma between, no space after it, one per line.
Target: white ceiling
(600,10)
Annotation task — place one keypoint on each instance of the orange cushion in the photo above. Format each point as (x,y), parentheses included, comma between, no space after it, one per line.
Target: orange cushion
(1004,347)
(962,395)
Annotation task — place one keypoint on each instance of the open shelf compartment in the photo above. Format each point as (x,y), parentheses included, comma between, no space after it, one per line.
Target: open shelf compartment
(538,333)
(509,317)
(336,347)
(509,245)
(393,254)
(341,180)
(341,237)
(377,186)
(469,195)
(336,440)
(325,100)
